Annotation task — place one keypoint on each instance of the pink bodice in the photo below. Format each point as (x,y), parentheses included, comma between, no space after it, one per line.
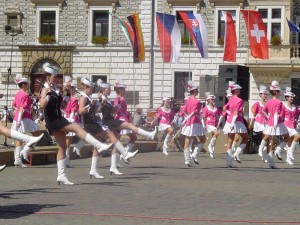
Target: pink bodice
(22,99)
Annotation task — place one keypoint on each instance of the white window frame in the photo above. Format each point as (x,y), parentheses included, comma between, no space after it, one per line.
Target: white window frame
(216,23)
(269,20)
(40,9)
(98,8)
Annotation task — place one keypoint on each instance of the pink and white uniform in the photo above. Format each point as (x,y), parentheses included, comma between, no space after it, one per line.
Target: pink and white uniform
(121,112)
(72,106)
(211,117)
(23,100)
(165,118)
(272,107)
(235,104)
(193,126)
(291,116)
(260,118)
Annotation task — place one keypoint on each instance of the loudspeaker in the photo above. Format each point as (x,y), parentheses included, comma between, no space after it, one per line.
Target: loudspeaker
(46,139)
(238,74)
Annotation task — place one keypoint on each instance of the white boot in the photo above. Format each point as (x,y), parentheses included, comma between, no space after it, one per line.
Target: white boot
(125,155)
(264,155)
(211,147)
(289,160)
(29,141)
(261,148)
(292,149)
(150,135)
(233,146)
(187,158)
(93,172)
(97,144)
(279,149)
(113,166)
(18,160)
(270,160)
(229,159)
(68,161)
(196,152)
(2,167)
(165,147)
(61,176)
(129,147)
(77,148)
(238,151)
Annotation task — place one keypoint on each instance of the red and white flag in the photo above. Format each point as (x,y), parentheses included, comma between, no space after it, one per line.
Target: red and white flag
(257,34)
(230,42)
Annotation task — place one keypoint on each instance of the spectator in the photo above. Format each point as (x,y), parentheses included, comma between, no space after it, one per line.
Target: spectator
(138,118)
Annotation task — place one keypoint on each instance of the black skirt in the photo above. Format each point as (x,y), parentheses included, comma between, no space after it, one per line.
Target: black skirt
(56,124)
(114,124)
(93,128)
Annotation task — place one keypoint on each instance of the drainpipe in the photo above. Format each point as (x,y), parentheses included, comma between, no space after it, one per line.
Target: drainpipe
(152,52)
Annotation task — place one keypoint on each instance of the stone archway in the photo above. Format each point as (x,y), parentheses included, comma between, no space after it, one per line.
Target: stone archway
(33,57)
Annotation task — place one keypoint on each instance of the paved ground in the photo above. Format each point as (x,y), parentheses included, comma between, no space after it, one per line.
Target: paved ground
(154,189)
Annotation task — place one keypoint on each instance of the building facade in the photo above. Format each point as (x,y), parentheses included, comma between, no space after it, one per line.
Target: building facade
(61,32)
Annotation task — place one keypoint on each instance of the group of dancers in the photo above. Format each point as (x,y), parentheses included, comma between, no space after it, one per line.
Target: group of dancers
(93,117)
(276,122)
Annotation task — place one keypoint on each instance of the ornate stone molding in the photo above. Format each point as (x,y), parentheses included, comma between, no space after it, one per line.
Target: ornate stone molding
(13,10)
(214,3)
(59,3)
(267,74)
(89,3)
(31,55)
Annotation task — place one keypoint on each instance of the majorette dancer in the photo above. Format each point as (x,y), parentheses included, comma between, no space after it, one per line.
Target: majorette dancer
(210,116)
(52,100)
(165,116)
(113,124)
(23,121)
(192,126)
(258,121)
(274,124)
(88,107)
(235,124)
(291,114)
(72,115)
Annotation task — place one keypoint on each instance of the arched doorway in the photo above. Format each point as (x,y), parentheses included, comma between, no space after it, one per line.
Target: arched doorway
(37,78)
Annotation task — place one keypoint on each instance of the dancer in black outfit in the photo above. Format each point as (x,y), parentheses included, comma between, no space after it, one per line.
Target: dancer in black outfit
(52,100)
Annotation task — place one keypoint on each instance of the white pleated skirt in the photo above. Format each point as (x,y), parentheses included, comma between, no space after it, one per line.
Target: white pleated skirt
(238,128)
(279,130)
(72,134)
(258,127)
(163,126)
(210,128)
(27,126)
(193,130)
(291,131)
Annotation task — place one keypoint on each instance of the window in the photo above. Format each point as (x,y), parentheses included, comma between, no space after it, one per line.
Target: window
(273,20)
(47,21)
(220,22)
(181,81)
(13,16)
(100,22)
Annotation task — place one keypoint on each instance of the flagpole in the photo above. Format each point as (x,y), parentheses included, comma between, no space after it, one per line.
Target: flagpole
(189,56)
(163,64)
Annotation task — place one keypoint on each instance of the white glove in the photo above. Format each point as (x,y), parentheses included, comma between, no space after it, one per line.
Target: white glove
(71,120)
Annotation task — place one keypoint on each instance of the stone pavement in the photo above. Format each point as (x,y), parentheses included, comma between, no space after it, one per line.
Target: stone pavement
(155,189)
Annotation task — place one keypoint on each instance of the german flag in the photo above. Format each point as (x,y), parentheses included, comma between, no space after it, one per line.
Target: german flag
(138,45)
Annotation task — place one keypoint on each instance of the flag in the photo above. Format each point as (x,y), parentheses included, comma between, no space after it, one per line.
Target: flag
(197,30)
(230,42)
(138,45)
(257,34)
(293,26)
(126,29)
(169,37)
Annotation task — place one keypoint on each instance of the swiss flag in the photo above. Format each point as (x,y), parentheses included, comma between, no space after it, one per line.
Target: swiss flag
(257,34)
(230,42)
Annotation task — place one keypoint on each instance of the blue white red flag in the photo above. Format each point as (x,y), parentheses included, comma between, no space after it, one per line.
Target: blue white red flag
(197,29)
(169,37)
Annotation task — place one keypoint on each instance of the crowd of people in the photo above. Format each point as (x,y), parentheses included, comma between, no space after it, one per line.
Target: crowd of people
(100,122)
